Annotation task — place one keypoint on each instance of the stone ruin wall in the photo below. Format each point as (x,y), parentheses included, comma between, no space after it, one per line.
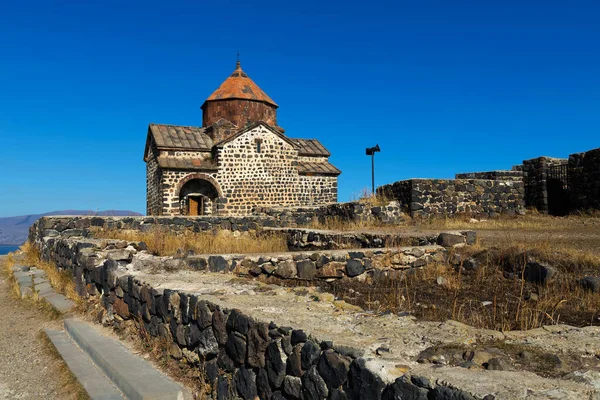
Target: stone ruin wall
(535,176)
(493,175)
(478,197)
(584,180)
(241,356)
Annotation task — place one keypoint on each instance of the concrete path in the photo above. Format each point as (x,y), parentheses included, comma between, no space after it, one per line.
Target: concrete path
(107,369)
(32,280)
(93,380)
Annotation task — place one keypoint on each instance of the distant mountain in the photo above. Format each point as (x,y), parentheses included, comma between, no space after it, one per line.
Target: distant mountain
(14,230)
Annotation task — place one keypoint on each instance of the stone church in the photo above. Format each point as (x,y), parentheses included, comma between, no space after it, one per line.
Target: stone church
(238,160)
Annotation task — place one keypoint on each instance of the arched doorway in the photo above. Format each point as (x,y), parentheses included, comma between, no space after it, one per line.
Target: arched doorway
(198,196)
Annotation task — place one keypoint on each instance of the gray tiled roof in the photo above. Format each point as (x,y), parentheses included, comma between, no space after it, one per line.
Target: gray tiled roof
(318,168)
(180,137)
(310,147)
(186,163)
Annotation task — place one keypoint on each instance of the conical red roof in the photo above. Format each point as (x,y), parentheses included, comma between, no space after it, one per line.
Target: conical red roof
(239,86)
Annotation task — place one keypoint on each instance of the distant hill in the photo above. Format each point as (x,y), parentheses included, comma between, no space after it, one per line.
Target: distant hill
(14,229)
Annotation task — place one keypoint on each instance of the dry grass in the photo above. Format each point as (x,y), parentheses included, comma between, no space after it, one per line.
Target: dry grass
(339,224)
(570,244)
(69,382)
(7,264)
(61,280)
(441,292)
(193,376)
(162,242)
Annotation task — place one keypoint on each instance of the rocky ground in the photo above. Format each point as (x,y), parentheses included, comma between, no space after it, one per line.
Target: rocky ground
(27,368)
(553,362)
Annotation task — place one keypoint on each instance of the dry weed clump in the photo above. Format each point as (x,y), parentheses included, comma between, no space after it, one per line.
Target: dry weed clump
(483,298)
(164,242)
(488,297)
(191,374)
(61,280)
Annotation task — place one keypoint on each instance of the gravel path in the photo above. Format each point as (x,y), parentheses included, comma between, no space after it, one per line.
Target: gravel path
(27,370)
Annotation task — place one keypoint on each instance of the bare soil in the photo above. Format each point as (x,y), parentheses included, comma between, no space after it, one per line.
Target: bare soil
(28,369)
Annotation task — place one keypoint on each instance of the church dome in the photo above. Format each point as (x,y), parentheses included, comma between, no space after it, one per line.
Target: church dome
(239,86)
(240,101)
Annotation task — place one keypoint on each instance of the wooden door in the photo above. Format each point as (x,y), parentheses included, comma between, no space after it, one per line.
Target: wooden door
(193,206)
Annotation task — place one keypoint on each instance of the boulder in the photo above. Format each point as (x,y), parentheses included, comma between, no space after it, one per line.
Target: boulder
(451,239)
(306,269)
(591,283)
(354,268)
(286,269)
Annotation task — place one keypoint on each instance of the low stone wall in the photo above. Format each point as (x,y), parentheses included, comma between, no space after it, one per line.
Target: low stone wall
(240,356)
(503,175)
(584,180)
(430,197)
(305,239)
(323,265)
(390,213)
(343,212)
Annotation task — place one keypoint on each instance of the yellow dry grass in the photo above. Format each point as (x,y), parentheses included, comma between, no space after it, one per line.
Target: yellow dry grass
(61,280)
(162,242)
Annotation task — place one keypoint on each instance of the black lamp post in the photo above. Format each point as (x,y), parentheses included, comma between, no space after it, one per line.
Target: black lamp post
(371,152)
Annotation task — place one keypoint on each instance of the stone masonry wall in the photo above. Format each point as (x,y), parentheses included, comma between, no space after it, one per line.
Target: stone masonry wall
(249,178)
(317,189)
(430,197)
(153,184)
(171,204)
(266,218)
(493,175)
(535,175)
(246,178)
(239,112)
(241,357)
(584,180)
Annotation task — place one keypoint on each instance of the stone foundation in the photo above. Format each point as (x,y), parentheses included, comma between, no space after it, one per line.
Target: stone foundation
(240,356)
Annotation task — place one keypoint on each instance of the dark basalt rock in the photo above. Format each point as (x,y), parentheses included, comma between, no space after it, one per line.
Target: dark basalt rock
(238,322)
(294,362)
(219,327)
(333,368)
(310,354)
(262,385)
(306,269)
(362,383)
(292,386)
(225,362)
(245,383)
(236,347)
(403,388)
(298,336)
(314,387)
(274,365)
(203,315)
(354,268)
(258,339)
(208,345)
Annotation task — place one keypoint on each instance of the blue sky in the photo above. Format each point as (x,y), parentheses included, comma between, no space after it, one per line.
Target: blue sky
(441,86)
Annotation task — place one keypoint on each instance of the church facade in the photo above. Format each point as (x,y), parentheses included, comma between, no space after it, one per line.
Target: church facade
(237,161)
